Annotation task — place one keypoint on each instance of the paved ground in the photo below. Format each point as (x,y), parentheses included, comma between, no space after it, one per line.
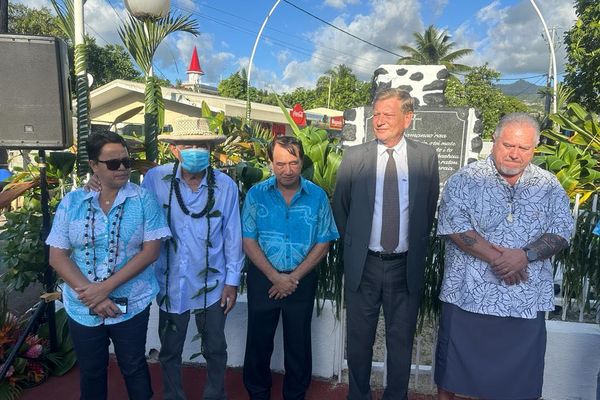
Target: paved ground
(67,387)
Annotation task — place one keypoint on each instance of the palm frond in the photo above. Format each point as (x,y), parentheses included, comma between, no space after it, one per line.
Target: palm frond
(65,14)
(142,38)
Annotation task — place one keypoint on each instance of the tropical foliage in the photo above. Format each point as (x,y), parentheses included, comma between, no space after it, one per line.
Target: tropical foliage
(583,55)
(338,88)
(142,38)
(434,47)
(21,249)
(573,158)
(30,367)
(478,91)
(580,266)
(31,21)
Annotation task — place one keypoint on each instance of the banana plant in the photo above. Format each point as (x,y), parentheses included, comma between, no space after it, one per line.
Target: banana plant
(323,156)
(245,146)
(141,38)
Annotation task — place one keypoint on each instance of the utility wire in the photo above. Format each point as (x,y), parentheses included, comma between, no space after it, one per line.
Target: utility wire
(340,29)
(286,45)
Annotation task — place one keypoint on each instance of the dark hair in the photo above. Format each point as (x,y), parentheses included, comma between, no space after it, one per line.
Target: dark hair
(97,140)
(290,143)
(407,103)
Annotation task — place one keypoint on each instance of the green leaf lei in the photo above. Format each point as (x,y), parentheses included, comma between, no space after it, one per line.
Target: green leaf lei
(207,212)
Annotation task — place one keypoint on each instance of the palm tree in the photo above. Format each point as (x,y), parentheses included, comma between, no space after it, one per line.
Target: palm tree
(141,38)
(434,48)
(65,13)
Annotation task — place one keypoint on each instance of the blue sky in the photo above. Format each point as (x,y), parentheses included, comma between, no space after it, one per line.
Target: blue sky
(296,48)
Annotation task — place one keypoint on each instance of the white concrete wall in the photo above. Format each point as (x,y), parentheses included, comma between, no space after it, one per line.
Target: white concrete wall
(325,339)
(572,361)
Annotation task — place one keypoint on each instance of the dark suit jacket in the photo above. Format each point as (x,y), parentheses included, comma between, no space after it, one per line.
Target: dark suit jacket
(354,199)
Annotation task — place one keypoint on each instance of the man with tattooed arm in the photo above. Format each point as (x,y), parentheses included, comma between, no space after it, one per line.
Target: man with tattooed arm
(503,218)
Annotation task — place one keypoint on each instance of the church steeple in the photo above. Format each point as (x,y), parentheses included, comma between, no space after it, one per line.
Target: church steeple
(194,71)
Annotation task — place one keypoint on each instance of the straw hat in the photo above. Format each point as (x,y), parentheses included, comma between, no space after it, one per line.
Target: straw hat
(191,130)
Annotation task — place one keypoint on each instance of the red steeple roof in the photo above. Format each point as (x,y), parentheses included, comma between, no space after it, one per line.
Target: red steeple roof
(195,64)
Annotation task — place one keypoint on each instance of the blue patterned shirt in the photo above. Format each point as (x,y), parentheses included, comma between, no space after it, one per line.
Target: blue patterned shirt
(142,221)
(187,258)
(478,198)
(286,234)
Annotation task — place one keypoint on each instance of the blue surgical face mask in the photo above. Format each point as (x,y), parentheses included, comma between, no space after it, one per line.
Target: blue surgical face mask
(194,160)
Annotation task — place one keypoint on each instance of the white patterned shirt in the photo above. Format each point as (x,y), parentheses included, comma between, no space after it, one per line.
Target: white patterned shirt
(478,198)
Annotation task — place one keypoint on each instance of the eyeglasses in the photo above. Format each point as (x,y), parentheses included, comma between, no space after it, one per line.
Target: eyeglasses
(114,164)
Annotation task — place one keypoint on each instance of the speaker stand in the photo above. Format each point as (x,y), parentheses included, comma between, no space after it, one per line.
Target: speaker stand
(49,276)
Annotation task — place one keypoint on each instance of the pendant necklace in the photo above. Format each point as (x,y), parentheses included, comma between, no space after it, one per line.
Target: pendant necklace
(511,194)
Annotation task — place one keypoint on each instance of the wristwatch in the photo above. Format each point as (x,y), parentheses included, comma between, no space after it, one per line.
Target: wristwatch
(531,254)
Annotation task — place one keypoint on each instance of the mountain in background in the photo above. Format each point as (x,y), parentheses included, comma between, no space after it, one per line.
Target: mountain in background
(523,90)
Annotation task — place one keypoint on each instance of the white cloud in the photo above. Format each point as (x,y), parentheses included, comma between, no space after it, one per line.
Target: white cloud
(492,12)
(515,43)
(173,57)
(102,21)
(187,5)
(283,56)
(389,24)
(340,3)
(437,7)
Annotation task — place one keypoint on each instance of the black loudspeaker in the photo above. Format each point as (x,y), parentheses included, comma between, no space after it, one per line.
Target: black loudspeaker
(35,95)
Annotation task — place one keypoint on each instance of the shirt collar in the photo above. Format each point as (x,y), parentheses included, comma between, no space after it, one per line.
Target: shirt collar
(179,177)
(381,148)
(128,190)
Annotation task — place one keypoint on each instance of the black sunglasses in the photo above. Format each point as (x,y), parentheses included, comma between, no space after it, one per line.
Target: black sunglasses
(114,164)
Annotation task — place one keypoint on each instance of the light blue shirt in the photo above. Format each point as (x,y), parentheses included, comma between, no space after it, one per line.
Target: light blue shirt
(187,258)
(478,198)
(142,221)
(286,234)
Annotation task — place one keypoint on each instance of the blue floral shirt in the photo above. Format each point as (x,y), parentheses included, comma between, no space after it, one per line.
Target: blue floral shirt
(142,220)
(478,198)
(286,234)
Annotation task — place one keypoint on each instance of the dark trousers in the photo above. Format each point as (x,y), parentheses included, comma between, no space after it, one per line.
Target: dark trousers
(129,340)
(263,317)
(172,339)
(383,284)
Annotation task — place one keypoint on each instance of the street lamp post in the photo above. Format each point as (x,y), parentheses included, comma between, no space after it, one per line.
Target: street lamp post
(552,55)
(248,108)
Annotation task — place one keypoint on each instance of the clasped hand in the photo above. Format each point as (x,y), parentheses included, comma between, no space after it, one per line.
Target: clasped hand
(510,265)
(283,286)
(92,294)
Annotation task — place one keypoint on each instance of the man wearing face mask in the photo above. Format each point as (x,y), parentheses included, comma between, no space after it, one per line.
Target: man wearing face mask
(199,270)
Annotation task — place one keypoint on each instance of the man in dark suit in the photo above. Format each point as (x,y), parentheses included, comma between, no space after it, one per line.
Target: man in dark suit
(384,204)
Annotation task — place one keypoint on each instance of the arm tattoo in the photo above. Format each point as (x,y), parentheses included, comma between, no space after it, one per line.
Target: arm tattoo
(548,245)
(467,240)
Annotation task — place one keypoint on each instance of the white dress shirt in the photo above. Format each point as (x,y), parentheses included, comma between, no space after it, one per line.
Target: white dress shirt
(402,169)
